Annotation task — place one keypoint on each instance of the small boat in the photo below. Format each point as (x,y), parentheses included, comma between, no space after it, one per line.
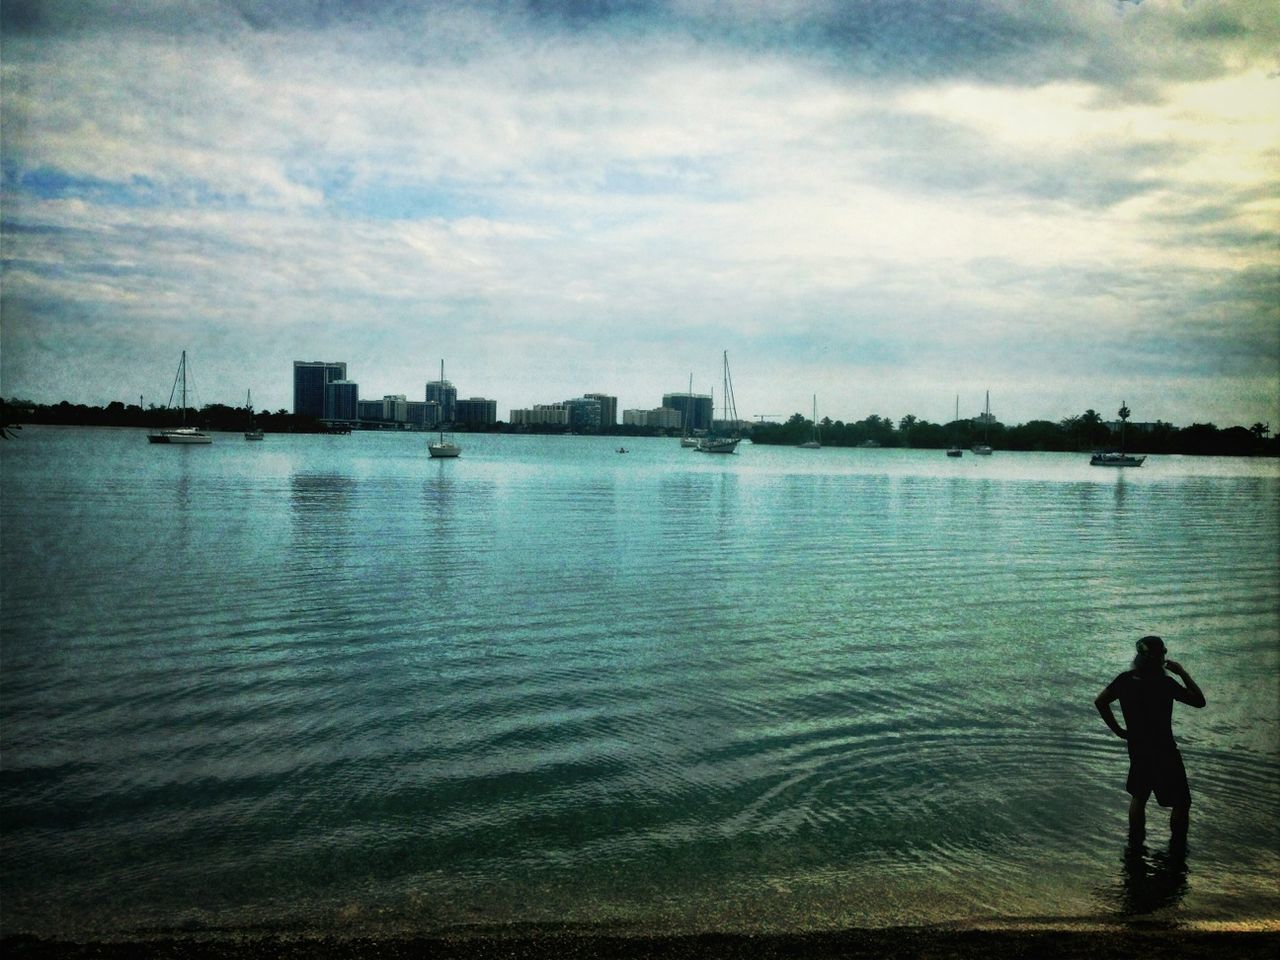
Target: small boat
(686,440)
(983,449)
(954,450)
(442,448)
(253,433)
(812,443)
(1117,458)
(727,442)
(622,449)
(182,434)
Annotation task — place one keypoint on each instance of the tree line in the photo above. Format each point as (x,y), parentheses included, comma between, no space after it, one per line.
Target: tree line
(1083,433)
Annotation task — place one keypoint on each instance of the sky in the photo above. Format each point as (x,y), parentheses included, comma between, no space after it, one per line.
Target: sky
(885,204)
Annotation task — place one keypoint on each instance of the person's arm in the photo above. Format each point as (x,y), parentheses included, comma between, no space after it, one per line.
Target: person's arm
(1103,702)
(1191,695)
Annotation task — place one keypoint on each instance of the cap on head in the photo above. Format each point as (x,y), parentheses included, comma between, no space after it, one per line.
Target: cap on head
(1152,647)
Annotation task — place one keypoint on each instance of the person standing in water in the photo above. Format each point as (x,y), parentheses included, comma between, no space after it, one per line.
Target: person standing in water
(1146,694)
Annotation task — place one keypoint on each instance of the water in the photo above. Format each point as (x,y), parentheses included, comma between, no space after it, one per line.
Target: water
(327,684)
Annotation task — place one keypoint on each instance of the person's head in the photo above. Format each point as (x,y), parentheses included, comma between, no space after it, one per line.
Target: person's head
(1151,654)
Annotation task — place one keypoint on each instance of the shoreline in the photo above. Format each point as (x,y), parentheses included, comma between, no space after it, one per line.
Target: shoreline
(1064,939)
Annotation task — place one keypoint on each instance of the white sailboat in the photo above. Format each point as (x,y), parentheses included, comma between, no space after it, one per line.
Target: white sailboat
(983,449)
(253,433)
(726,442)
(686,438)
(443,448)
(812,443)
(954,450)
(182,434)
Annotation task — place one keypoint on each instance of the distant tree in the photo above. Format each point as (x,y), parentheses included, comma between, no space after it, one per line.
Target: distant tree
(1261,430)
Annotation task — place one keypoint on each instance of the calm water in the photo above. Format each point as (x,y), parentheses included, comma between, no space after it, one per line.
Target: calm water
(325,683)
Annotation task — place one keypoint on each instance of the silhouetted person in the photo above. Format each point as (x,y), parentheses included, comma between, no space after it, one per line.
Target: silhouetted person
(1146,694)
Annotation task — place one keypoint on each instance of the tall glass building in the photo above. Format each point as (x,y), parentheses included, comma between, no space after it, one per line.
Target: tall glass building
(311,379)
(342,400)
(445,395)
(694,407)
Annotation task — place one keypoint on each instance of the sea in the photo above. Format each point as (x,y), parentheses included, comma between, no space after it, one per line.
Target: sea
(328,685)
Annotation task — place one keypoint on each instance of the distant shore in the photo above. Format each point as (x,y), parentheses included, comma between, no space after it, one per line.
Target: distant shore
(1054,941)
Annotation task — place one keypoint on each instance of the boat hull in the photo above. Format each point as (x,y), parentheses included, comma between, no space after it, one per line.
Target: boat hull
(1115,460)
(810,445)
(955,453)
(982,450)
(444,451)
(718,446)
(176,436)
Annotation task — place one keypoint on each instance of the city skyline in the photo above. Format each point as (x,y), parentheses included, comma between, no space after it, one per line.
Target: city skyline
(884,205)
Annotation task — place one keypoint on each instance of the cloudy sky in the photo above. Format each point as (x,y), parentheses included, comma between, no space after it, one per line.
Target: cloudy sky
(883,202)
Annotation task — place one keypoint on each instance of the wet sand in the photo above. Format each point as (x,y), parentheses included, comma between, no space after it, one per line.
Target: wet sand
(1074,942)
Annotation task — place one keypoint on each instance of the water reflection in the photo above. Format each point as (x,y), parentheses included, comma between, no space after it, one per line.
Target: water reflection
(1151,881)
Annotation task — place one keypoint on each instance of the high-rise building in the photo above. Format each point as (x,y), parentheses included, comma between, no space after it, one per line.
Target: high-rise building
(310,380)
(663,417)
(608,409)
(395,407)
(584,414)
(342,400)
(445,396)
(477,410)
(694,407)
(370,410)
(540,413)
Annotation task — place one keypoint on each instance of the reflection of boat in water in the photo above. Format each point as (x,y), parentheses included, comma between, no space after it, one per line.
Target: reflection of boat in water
(726,442)
(954,450)
(253,433)
(983,449)
(1117,458)
(812,443)
(442,448)
(182,434)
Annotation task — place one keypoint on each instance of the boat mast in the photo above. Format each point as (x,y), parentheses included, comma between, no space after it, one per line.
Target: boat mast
(184,387)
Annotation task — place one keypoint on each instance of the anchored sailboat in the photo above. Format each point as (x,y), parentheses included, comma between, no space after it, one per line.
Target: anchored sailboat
(983,449)
(812,443)
(686,437)
(954,450)
(1117,458)
(443,448)
(182,434)
(253,433)
(726,442)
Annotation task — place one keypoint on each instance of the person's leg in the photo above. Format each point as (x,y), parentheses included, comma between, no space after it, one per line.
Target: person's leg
(1138,814)
(1179,820)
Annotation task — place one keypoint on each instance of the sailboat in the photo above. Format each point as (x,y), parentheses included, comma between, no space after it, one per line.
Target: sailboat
(726,442)
(983,449)
(1117,458)
(442,447)
(813,444)
(954,450)
(182,434)
(253,433)
(686,438)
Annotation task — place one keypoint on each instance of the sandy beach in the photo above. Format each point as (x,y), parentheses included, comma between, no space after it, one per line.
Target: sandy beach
(1067,942)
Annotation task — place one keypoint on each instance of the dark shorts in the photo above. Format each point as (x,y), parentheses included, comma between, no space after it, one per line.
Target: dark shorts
(1159,771)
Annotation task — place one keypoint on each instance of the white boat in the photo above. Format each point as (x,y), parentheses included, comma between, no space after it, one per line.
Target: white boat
(442,448)
(686,440)
(813,444)
(253,433)
(182,434)
(983,449)
(954,450)
(728,442)
(1117,458)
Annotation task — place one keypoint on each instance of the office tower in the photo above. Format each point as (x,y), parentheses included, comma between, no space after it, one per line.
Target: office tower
(477,410)
(444,395)
(395,407)
(310,380)
(584,414)
(695,407)
(608,409)
(342,400)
